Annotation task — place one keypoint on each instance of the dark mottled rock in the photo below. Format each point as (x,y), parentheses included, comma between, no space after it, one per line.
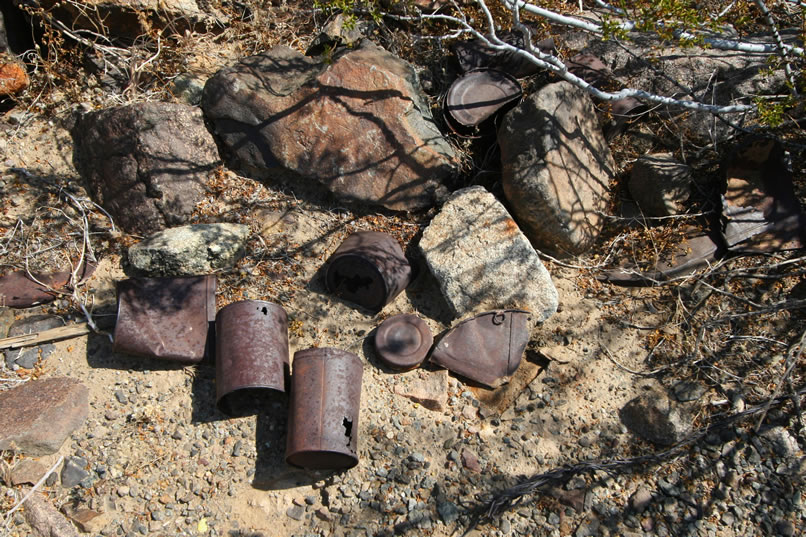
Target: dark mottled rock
(146,164)
(656,418)
(359,126)
(39,415)
(74,471)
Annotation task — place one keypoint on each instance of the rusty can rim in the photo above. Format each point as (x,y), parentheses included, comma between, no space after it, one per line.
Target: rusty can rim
(508,87)
(400,360)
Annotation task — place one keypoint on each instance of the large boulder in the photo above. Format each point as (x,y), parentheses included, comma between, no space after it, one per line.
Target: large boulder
(130,19)
(557,168)
(147,164)
(483,261)
(359,126)
(39,415)
(190,250)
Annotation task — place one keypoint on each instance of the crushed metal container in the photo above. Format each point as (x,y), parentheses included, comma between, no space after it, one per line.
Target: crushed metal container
(252,365)
(486,348)
(368,269)
(403,341)
(477,97)
(323,415)
(166,318)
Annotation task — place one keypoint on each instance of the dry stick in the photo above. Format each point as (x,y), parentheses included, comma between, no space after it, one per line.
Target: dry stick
(33,489)
(509,497)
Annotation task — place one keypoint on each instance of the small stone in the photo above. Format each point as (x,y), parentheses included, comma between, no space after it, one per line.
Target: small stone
(74,471)
(785,528)
(655,417)
(428,388)
(121,397)
(640,499)
(13,77)
(687,390)
(27,471)
(296,512)
(470,412)
(448,512)
(471,461)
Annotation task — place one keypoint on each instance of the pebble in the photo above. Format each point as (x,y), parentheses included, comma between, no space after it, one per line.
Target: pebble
(296,512)
(448,512)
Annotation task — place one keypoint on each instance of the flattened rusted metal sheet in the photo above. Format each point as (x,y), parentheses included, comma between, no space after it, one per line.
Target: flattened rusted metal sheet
(368,269)
(252,363)
(165,318)
(760,209)
(323,416)
(487,348)
(18,290)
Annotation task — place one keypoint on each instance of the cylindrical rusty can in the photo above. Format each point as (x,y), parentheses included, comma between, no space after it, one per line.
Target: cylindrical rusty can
(251,356)
(323,416)
(368,269)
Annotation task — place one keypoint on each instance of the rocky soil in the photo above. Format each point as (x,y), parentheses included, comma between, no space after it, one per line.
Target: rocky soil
(154,456)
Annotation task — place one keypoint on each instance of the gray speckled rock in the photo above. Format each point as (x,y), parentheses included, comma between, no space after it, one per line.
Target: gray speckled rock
(483,261)
(190,250)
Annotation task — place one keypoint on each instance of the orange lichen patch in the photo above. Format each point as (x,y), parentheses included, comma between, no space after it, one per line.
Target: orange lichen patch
(13,78)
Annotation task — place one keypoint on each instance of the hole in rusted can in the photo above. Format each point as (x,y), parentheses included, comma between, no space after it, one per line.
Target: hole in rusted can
(325,401)
(251,356)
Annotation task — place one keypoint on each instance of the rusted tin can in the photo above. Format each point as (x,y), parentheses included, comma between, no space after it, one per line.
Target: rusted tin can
(474,99)
(166,318)
(323,415)
(487,348)
(368,269)
(403,341)
(251,356)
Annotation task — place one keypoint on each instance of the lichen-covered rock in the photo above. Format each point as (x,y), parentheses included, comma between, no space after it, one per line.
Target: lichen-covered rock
(360,126)
(483,261)
(557,168)
(192,250)
(147,164)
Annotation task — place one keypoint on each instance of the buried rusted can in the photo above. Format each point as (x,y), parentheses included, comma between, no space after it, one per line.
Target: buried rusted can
(487,348)
(478,96)
(251,356)
(323,415)
(368,269)
(165,318)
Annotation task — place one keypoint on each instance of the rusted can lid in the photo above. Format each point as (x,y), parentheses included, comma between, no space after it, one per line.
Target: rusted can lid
(478,95)
(403,341)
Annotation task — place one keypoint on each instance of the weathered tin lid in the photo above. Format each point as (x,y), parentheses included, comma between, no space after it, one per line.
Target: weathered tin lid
(403,341)
(478,95)
(486,348)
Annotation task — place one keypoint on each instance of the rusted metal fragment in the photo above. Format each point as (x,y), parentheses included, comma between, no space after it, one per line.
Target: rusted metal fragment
(477,96)
(486,348)
(592,70)
(19,290)
(403,342)
(368,269)
(494,402)
(323,417)
(760,209)
(475,54)
(697,250)
(166,318)
(252,363)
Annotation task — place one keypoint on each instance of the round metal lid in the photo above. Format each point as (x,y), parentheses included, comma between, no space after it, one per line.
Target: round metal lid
(479,94)
(403,341)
